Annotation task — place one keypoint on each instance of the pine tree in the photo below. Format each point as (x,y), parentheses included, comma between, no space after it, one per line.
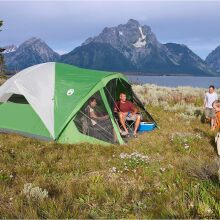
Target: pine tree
(2,73)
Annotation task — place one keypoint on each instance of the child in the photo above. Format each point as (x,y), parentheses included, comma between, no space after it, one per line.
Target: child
(216,107)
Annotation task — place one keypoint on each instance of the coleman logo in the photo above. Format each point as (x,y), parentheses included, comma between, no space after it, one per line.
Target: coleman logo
(70,92)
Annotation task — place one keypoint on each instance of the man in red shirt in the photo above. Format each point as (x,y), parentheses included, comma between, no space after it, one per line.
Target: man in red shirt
(127,111)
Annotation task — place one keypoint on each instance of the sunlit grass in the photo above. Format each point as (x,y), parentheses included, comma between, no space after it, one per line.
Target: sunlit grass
(173,173)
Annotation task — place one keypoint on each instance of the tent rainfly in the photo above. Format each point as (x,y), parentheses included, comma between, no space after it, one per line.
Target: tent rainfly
(48,101)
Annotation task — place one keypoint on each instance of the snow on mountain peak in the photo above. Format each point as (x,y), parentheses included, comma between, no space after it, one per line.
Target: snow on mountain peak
(141,40)
(9,49)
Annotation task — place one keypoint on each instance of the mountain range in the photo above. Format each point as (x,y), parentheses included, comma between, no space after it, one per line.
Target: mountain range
(129,48)
(213,60)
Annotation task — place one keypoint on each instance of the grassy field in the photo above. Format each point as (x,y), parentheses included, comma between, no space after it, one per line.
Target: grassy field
(171,172)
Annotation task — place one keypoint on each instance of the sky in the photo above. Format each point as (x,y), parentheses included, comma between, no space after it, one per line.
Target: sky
(64,25)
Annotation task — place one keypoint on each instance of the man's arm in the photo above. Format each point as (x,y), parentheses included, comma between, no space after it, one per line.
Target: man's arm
(134,110)
(116,108)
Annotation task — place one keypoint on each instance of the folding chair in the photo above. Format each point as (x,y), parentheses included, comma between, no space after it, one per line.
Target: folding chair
(128,123)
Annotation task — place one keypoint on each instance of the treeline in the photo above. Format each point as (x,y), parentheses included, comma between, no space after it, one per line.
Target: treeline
(2,69)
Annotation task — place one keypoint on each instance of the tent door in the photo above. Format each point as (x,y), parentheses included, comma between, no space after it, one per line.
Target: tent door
(120,140)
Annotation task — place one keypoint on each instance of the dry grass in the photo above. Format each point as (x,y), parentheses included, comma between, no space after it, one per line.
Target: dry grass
(180,179)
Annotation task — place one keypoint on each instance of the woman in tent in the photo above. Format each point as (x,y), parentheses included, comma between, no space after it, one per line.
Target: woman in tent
(94,115)
(99,121)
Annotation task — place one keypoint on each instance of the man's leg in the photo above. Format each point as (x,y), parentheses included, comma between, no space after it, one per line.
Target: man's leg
(137,123)
(207,115)
(114,136)
(122,121)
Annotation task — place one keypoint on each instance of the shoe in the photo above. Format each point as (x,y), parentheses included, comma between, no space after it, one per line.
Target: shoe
(123,133)
(135,135)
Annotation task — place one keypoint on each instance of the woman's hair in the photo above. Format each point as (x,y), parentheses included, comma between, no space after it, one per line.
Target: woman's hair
(212,86)
(91,100)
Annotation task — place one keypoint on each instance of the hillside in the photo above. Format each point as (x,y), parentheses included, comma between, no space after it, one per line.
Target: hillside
(213,60)
(98,56)
(31,52)
(171,172)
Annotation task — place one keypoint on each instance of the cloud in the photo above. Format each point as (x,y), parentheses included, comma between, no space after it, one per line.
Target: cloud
(66,24)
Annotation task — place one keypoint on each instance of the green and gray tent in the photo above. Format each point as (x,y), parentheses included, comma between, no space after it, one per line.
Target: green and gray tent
(48,101)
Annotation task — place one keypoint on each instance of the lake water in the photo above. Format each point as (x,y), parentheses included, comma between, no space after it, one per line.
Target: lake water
(174,81)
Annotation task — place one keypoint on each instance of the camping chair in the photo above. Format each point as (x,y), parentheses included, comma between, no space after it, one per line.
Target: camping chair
(128,123)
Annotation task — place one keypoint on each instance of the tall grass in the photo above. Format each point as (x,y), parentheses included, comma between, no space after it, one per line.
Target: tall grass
(171,172)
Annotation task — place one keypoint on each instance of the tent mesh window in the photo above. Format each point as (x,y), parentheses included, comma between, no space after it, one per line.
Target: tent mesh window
(100,126)
(113,90)
(16,98)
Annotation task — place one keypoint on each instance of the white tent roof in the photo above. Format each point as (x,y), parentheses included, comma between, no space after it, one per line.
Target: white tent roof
(36,84)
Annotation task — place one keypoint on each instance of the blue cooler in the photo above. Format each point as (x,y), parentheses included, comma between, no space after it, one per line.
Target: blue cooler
(146,126)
